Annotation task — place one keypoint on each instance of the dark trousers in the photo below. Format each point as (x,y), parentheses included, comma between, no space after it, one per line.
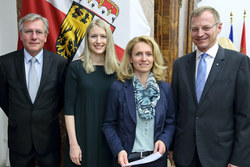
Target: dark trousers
(30,160)
(195,162)
(161,162)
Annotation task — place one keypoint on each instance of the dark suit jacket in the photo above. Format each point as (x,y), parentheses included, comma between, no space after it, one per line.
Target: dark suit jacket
(32,124)
(120,122)
(219,126)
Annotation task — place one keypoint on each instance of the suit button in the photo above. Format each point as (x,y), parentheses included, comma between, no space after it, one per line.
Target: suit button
(197,117)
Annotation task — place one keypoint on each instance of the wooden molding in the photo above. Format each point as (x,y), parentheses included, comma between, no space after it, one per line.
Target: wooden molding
(188,45)
(166,31)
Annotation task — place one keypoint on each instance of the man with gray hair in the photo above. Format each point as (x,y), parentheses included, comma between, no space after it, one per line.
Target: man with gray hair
(31,95)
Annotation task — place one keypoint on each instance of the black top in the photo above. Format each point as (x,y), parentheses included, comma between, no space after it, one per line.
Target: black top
(85,98)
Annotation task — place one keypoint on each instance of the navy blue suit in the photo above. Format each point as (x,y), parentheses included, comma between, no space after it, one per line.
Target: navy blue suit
(219,125)
(120,122)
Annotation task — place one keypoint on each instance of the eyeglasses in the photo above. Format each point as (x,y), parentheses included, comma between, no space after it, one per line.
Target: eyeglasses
(204,28)
(31,32)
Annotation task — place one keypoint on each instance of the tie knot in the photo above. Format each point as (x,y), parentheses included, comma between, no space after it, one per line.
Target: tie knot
(33,60)
(203,56)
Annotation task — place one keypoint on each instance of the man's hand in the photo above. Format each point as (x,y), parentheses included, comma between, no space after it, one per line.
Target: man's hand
(170,157)
(231,165)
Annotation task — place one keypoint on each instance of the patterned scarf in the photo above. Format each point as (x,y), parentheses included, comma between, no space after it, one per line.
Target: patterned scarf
(146,98)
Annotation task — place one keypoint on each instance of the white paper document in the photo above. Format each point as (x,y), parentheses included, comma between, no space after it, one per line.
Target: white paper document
(147,159)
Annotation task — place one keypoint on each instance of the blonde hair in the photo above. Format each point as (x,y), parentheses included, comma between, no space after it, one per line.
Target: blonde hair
(226,43)
(126,70)
(199,11)
(111,62)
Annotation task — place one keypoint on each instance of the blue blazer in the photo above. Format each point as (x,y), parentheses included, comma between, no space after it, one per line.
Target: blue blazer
(120,121)
(218,126)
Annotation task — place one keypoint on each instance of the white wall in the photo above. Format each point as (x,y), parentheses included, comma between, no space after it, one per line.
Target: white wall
(8,43)
(225,7)
(8,28)
(181,28)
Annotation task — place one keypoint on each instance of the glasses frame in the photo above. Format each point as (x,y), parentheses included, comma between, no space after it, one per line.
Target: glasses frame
(31,32)
(204,28)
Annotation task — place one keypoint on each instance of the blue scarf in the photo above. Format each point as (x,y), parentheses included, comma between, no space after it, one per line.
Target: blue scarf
(146,98)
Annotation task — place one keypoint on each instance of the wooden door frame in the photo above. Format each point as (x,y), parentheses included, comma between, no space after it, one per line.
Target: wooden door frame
(166,17)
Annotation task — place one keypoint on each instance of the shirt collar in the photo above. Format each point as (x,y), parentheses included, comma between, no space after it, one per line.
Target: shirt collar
(27,56)
(211,52)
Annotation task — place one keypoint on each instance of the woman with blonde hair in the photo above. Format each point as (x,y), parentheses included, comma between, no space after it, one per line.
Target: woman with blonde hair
(140,116)
(87,83)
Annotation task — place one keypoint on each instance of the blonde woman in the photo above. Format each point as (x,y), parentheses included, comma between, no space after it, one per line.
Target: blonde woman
(140,112)
(87,83)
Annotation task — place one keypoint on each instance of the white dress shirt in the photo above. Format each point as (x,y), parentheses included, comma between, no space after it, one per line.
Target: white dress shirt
(209,59)
(38,65)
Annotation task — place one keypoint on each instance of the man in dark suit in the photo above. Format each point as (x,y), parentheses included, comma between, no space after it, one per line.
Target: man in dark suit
(31,96)
(212,100)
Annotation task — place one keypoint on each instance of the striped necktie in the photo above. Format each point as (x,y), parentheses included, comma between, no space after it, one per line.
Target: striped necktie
(201,76)
(33,80)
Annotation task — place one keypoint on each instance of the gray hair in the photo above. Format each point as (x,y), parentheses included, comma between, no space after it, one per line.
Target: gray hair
(32,17)
(200,10)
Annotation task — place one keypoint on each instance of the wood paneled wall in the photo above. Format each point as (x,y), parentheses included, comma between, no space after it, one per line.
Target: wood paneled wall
(188,41)
(166,31)
(18,8)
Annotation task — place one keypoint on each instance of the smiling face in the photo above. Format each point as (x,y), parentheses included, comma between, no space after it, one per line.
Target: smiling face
(33,36)
(97,41)
(207,30)
(142,58)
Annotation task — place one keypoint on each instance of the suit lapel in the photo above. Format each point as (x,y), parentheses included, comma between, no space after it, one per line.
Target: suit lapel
(20,69)
(191,63)
(216,67)
(130,98)
(159,104)
(47,64)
